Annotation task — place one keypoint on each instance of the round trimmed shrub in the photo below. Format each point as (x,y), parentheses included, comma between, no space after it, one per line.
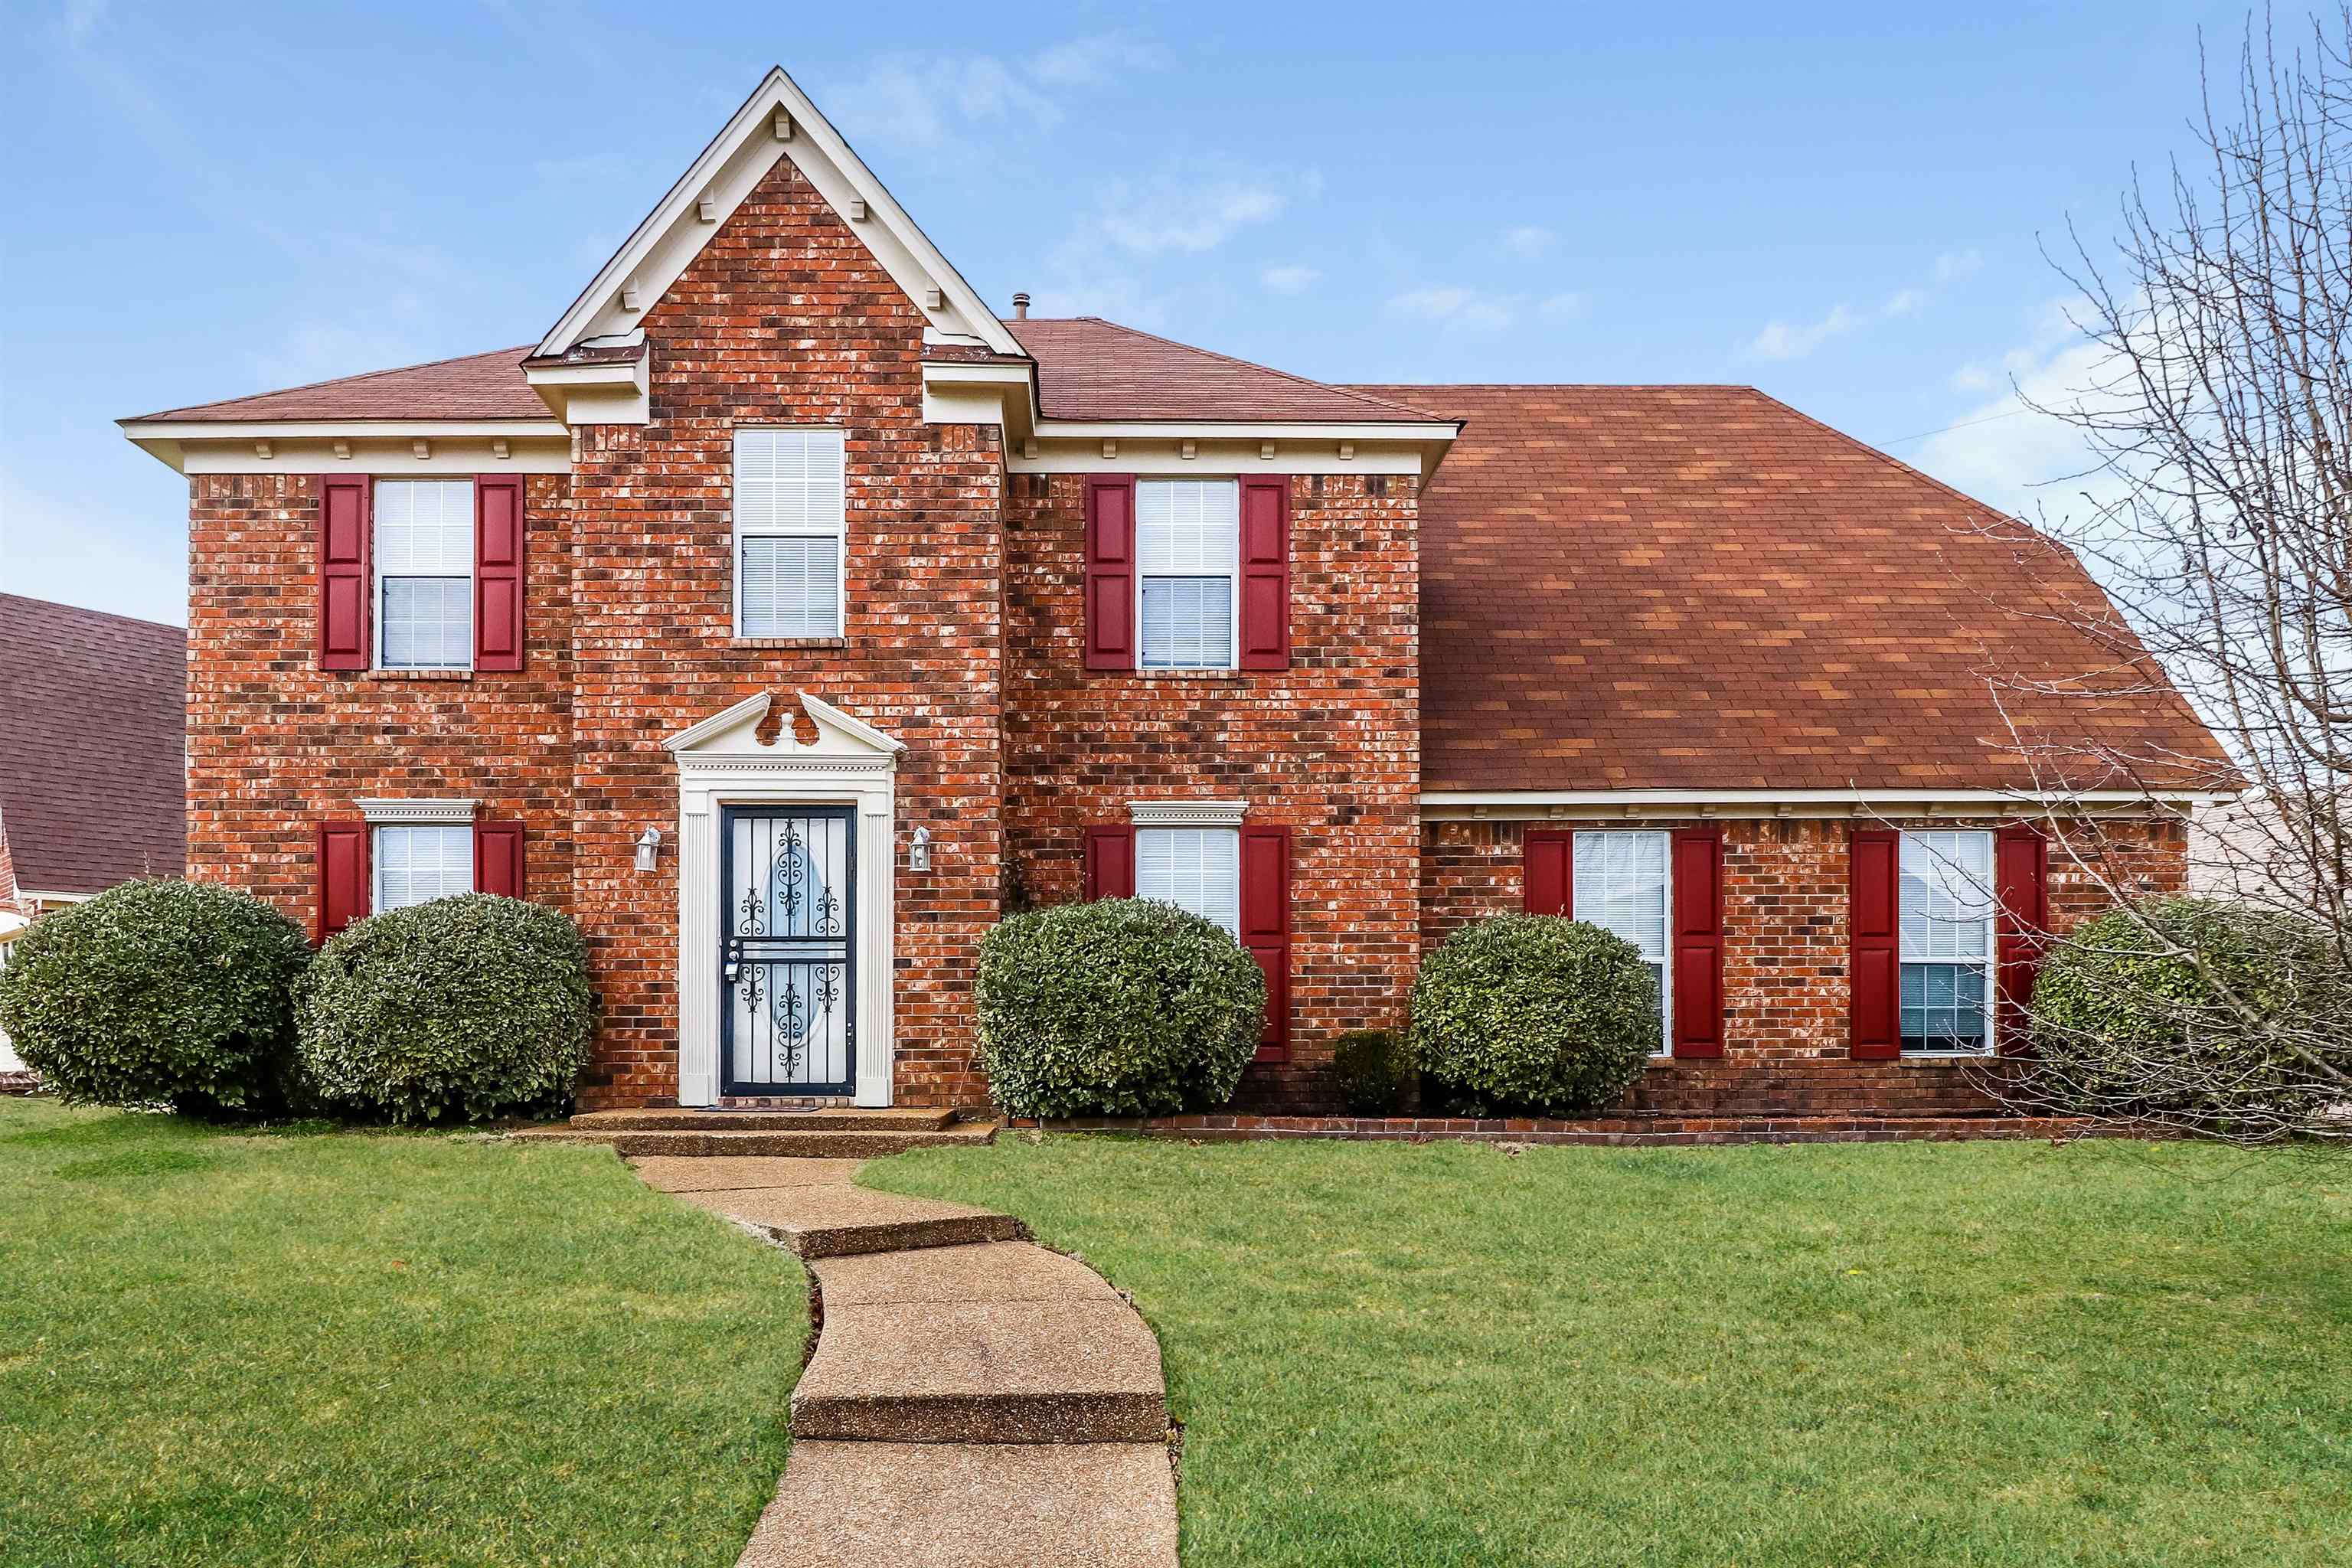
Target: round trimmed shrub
(1534,1013)
(154,993)
(1120,1007)
(2122,1021)
(1374,1070)
(463,1008)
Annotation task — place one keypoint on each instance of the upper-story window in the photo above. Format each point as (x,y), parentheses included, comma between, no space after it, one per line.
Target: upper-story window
(1188,552)
(425,574)
(789,519)
(1621,884)
(1947,894)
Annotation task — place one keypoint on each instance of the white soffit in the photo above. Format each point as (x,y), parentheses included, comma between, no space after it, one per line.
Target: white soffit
(734,163)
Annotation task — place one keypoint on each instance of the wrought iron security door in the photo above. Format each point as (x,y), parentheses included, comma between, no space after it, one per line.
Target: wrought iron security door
(789,967)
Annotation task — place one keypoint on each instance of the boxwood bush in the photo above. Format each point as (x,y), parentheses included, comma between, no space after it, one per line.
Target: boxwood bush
(1121,1008)
(461,1008)
(1374,1070)
(1534,1012)
(2123,1022)
(153,992)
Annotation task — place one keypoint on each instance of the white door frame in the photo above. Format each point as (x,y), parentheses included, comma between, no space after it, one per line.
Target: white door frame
(722,763)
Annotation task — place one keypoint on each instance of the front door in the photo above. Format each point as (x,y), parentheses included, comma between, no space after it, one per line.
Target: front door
(788,971)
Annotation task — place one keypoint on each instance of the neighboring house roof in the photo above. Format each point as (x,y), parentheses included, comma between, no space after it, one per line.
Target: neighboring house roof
(92,748)
(1092,369)
(475,386)
(1697,587)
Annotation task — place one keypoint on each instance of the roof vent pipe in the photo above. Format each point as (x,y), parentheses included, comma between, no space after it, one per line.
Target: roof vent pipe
(1021,307)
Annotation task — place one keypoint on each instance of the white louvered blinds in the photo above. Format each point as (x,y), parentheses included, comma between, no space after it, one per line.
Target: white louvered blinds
(1947,940)
(1195,869)
(425,574)
(791,511)
(417,865)
(1188,550)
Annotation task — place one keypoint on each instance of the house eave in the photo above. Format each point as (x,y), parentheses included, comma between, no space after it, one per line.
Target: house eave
(1604,804)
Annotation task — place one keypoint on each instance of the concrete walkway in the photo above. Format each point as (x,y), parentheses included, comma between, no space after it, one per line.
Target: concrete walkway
(974,1398)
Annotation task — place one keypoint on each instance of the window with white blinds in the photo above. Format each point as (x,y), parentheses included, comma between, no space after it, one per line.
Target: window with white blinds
(790,512)
(417,865)
(1623,885)
(1947,942)
(1188,552)
(1195,869)
(425,574)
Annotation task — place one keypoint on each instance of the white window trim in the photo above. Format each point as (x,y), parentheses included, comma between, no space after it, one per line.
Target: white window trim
(1186,813)
(1988,965)
(1232,575)
(376,578)
(1666,944)
(1229,829)
(376,830)
(839,534)
(416,813)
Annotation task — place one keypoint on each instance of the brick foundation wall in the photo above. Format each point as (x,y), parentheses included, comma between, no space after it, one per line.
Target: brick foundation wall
(1785,955)
(1330,746)
(785,318)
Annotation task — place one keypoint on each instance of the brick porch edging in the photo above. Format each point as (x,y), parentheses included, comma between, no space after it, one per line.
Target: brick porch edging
(1613,1130)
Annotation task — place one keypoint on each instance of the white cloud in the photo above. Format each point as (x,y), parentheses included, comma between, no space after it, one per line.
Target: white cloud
(1903,302)
(1563,307)
(80,18)
(924,102)
(1528,241)
(1972,378)
(1456,306)
(2003,450)
(322,351)
(1092,62)
(121,554)
(1955,265)
(1288,280)
(1168,214)
(1783,340)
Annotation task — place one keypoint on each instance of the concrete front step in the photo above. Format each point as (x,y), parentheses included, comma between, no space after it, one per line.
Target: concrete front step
(827,1118)
(895,1505)
(818,1220)
(816,1144)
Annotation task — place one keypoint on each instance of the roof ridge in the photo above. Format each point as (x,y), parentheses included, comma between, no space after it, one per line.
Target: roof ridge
(524,349)
(1289,375)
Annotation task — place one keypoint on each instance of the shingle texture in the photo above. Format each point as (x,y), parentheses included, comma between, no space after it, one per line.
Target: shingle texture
(91,746)
(478,387)
(1628,587)
(1093,368)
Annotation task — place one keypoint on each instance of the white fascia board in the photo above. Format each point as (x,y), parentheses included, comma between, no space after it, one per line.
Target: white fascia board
(1809,801)
(373,446)
(617,393)
(1166,458)
(332,429)
(1237,430)
(729,169)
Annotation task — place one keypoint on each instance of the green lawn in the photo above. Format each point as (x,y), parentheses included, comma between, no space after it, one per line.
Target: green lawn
(326,1349)
(1947,1353)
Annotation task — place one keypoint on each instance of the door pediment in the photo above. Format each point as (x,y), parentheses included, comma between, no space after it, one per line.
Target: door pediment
(785,732)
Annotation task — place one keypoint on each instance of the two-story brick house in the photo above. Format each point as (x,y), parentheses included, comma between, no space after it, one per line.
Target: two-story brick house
(787,617)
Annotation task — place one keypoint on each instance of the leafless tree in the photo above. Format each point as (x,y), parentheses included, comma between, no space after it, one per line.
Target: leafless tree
(2217,511)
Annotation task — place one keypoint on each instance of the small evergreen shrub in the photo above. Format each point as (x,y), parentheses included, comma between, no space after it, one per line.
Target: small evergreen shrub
(1534,1013)
(1374,1069)
(2123,1022)
(463,1008)
(1120,1007)
(154,993)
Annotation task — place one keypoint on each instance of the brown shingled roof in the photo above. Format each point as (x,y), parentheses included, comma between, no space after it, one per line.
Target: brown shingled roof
(91,748)
(477,386)
(1092,369)
(1633,587)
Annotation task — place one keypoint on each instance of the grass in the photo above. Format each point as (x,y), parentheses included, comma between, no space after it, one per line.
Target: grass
(338,1348)
(1947,1353)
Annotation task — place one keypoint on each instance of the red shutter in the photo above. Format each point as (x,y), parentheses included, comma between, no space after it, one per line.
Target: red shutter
(1265,928)
(1110,863)
(1875,909)
(343,876)
(343,586)
(1266,573)
(2022,879)
(498,858)
(1699,942)
(498,573)
(1549,890)
(1110,572)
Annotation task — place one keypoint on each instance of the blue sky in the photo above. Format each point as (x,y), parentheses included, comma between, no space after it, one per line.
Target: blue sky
(1838,204)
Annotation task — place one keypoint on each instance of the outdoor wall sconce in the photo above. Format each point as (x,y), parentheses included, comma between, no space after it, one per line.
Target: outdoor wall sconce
(648,849)
(919,852)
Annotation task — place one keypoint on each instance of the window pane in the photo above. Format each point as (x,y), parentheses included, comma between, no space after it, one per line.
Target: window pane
(428,623)
(1195,869)
(788,480)
(1191,526)
(1947,895)
(1187,623)
(791,587)
(417,865)
(424,527)
(1944,1007)
(1621,884)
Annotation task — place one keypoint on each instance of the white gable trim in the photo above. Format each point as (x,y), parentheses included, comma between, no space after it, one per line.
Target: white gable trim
(778,120)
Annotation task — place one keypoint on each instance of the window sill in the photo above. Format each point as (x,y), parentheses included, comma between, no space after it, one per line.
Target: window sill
(1235,676)
(787,642)
(417,675)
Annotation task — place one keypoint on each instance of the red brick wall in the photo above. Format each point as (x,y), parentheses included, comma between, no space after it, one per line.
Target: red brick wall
(1784,972)
(276,745)
(785,318)
(1330,746)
